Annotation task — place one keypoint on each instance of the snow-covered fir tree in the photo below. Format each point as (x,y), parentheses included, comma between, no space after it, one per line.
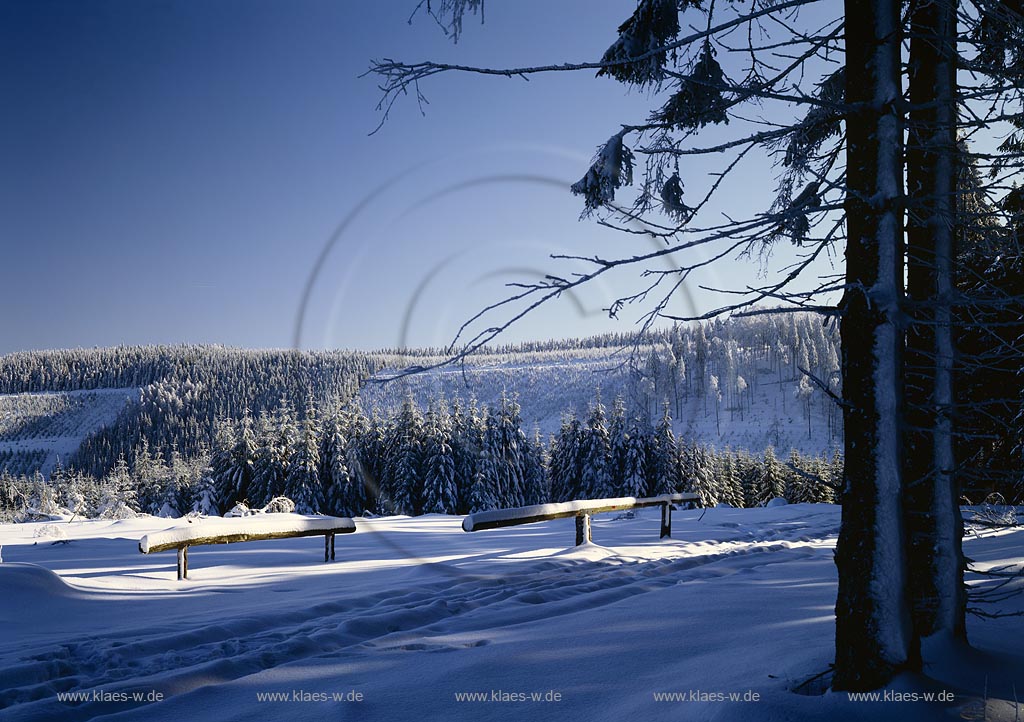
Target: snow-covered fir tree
(634,463)
(663,477)
(703,482)
(596,481)
(822,492)
(483,494)
(361,496)
(366,457)
(440,493)
(233,463)
(798,488)
(335,479)
(117,500)
(467,441)
(808,480)
(303,483)
(204,496)
(566,461)
(151,477)
(749,471)
(404,468)
(270,467)
(535,483)
(771,482)
(508,444)
(618,438)
(686,464)
(730,491)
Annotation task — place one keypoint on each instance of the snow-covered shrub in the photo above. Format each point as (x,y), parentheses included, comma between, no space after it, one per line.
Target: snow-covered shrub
(239,509)
(114,508)
(279,505)
(42,497)
(49,531)
(118,498)
(167,511)
(12,497)
(994,512)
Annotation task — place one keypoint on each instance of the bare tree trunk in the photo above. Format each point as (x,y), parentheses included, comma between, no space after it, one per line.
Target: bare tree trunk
(934,523)
(872,612)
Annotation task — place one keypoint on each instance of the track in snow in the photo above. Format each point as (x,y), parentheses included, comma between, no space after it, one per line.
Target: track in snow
(188,653)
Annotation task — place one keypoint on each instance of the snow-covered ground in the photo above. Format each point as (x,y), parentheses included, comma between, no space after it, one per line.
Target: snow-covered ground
(416,614)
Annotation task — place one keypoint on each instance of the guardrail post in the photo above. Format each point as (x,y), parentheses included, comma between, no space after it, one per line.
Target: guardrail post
(582,529)
(182,562)
(666,520)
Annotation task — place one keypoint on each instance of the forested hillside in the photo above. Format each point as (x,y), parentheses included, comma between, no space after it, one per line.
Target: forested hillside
(39,431)
(739,410)
(183,391)
(738,381)
(734,382)
(207,427)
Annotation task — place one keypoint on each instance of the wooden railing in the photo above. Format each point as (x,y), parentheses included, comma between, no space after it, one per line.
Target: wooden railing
(216,530)
(582,510)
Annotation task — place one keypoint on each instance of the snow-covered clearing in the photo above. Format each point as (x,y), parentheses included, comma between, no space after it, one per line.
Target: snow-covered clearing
(45,427)
(771,414)
(415,614)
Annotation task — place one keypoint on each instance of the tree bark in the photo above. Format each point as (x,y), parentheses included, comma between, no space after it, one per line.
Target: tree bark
(873,630)
(932,510)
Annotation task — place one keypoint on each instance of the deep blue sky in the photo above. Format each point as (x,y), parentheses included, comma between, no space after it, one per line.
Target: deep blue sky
(172,170)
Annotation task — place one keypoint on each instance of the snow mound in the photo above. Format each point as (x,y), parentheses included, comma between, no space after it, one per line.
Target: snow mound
(23,582)
(777,501)
(586,552)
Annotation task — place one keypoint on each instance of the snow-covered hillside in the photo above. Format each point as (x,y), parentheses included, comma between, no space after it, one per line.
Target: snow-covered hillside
(37,429)
(419,620)
(735,382)
(768,407)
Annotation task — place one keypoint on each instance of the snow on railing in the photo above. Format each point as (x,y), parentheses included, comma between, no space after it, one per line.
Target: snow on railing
(217,530)
(582,510)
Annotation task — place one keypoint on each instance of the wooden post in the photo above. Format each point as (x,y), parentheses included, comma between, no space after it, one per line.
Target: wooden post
(186,561)
(582,529)
(181,563)
(332,547)
(666,520)
(327,546)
